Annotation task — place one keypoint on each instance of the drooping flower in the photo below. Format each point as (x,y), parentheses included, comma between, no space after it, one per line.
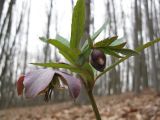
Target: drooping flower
(45,81)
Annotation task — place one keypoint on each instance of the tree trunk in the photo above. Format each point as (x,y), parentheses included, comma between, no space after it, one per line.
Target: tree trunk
(151,37)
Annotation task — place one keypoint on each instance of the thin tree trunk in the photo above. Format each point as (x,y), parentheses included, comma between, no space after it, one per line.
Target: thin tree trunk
(151,37)
(136,75)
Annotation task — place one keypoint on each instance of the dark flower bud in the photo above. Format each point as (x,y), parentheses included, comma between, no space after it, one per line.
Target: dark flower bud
(98,60)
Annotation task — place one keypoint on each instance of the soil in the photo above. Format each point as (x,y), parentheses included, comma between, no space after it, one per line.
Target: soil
(127,106)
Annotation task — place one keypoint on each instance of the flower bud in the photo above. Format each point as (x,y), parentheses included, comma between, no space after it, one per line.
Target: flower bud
(98,60)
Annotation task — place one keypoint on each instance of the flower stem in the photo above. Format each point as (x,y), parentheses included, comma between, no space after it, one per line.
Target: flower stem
(94,106)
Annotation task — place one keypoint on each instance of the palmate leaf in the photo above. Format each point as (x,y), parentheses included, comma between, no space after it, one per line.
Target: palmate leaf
(58,65)
(138,49)
(78,22)
(105,42)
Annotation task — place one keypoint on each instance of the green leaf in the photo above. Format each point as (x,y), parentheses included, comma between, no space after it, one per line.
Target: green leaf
(110,52)
(83,57)
(120,46)
(123,51)
(96,34)
(117,42)
(67,57)
(62,40)
(78,22)
(43,39)
(105,42)
(138,49)
(58,65)
(69,53)
(142,47)
(90,42)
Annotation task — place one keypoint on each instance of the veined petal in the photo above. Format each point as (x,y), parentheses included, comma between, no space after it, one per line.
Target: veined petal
(73,83)
(37,81)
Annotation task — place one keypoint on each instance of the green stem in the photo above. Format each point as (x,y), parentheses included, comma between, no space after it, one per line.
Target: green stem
(94,106)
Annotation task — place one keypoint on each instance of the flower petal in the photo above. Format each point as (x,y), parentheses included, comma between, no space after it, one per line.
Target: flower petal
(73,83)
(37,81)
(20,85)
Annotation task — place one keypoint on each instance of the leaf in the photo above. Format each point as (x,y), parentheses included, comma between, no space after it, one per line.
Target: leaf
(105,42)
(43,39)
(78,22)
(90,42)
(142,47)
(110,52)
(119,46)
(124,51)
(117,42)
(138,49)
(83,57)
(64,49)
(95,35)
(67,57)
(58,65)
(62,40)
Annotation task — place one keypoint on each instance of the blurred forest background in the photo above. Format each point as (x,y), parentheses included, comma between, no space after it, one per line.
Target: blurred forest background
(23,21)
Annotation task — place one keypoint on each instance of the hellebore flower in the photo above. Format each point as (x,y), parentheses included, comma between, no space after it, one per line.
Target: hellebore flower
(45,81)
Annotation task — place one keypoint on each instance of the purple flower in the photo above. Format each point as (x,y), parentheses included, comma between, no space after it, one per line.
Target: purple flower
(45,81)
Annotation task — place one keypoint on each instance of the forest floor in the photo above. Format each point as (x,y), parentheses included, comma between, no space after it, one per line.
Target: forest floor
(127,106)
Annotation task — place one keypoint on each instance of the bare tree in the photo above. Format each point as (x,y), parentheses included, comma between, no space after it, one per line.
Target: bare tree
(149,23)
(47,49)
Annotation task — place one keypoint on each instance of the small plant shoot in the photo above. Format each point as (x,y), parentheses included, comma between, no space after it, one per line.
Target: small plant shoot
(88,57)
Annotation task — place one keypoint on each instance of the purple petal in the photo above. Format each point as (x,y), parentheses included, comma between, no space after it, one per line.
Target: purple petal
(37,81)
(73,83)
